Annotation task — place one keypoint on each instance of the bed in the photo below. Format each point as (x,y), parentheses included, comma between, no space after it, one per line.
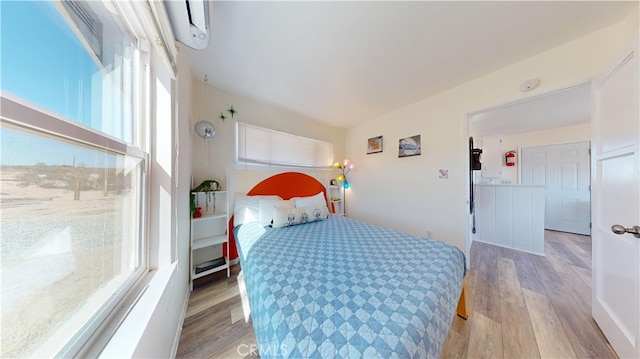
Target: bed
(338,287)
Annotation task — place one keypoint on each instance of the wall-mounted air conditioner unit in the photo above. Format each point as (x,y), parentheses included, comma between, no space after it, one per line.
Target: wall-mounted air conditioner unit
(190,21)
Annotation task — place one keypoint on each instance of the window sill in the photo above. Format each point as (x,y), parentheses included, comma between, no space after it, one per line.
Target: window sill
(129,334)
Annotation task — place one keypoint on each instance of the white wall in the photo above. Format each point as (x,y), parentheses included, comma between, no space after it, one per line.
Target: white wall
(560,135)
(214,158)
(631,23)
(406,193)
(183,186)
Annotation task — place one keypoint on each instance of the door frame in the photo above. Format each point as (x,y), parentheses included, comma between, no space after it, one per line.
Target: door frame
(466,132)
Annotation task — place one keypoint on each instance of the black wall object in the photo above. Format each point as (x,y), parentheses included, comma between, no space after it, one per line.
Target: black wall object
(474,165)
(474,154)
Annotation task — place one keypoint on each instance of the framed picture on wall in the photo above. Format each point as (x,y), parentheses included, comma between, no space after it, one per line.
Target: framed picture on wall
(374,145)
(409,146)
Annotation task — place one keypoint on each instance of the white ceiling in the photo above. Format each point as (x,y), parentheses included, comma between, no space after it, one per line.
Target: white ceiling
(346,62)
(563,108)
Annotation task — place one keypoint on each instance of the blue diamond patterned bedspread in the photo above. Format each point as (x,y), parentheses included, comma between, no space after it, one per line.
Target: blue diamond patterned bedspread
(341,288)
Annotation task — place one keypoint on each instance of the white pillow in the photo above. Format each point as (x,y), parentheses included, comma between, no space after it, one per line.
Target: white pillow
(315,200)
(247,208)
(283,216)
(266,208)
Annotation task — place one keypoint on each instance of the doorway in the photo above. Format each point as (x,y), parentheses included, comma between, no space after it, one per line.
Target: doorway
(564,170)
(556,117)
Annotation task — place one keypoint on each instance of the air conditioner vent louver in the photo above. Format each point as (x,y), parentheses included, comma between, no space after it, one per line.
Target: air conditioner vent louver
(190,22)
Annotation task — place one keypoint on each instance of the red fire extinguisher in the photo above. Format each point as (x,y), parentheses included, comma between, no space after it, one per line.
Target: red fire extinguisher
(510,158)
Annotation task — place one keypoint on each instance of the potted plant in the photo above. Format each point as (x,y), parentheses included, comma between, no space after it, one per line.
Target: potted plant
(208,187)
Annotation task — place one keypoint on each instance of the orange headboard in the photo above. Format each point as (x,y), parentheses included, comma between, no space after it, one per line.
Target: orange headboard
(288,185)
(285,185)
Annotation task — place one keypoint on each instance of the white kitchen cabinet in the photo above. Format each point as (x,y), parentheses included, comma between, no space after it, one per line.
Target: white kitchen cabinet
(511,216)
(491,158)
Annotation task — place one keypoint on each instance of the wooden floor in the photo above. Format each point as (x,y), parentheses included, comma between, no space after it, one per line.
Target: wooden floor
(520,306)
(528,306)
(214,326)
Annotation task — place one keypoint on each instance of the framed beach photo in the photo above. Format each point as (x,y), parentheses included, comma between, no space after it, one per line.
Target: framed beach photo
(374,145)
(409,146)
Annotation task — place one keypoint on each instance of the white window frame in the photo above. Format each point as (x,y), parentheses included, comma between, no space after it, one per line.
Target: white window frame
(20,113)
(274,137)
(16,111)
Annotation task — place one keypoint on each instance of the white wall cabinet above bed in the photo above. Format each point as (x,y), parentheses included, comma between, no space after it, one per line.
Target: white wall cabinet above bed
(208,233)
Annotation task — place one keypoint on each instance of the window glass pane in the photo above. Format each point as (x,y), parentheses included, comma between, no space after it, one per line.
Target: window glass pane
(69,236)
(72,58)
(70,213)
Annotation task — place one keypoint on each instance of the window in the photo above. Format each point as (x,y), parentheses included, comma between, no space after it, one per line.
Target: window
(73,174)
(262,146)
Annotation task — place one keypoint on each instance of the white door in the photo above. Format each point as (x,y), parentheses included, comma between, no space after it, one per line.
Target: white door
(564,170)
(616,198)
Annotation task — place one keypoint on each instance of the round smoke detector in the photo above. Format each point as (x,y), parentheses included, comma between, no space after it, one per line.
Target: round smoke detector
(529,85)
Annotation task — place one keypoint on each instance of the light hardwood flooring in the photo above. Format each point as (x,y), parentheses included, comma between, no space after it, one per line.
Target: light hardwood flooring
(528,306)
(520,306)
